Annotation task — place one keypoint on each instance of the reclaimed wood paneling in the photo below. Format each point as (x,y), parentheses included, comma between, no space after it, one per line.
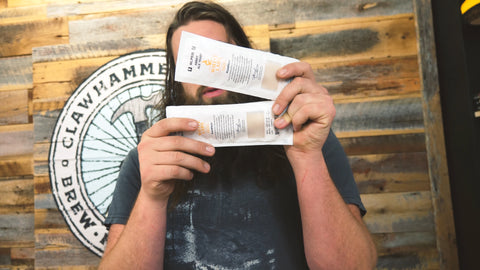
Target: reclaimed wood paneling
(370,78)
(435,141)
(58,248)
(22,14)
(17,196)
(376,59)
(16,166)
(20,38)
(398,172)
(16,73)
(14,109)
(358,38)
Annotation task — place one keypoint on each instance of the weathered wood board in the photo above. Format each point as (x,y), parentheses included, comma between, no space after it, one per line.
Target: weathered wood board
(375,58)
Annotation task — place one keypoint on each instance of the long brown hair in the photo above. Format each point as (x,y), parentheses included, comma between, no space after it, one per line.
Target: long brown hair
(196,11)
(268,162)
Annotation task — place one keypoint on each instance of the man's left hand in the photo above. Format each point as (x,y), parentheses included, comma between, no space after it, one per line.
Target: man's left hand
(310,108)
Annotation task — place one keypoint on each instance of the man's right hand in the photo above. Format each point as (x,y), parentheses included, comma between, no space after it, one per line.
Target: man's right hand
(165,159)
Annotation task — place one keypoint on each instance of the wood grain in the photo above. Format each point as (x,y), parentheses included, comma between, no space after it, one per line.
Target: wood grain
(435,141)
(20,38)
(377,60)
(14,109)
(16,73)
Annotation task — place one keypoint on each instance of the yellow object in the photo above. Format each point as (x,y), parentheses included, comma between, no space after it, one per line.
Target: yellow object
(468,4)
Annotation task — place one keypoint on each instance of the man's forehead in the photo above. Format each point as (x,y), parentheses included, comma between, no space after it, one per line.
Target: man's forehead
(206,28)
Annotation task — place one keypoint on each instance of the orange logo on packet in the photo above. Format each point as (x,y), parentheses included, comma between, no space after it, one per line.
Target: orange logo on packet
(215,64)
(203,128)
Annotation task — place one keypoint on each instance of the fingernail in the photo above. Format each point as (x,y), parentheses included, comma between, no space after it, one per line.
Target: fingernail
(206,166)
(282,72)
(193,124)
(210,149)
(276,109)
(281,121)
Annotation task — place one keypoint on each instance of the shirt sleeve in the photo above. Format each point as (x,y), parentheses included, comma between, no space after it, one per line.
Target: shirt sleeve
(341,172)
(126,190)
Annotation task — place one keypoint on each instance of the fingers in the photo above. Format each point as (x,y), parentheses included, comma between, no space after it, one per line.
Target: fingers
(165,158)
(173,165)
(170,125)
(303,82)
(177,143)
(305,99)
(307,107)
(297,69)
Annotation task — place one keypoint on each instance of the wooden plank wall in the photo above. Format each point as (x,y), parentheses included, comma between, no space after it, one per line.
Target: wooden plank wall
(365,53)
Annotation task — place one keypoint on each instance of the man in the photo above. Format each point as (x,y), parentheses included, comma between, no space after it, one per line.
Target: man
(182,204)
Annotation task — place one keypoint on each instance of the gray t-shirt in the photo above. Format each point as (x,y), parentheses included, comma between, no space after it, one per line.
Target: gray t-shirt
(234,223)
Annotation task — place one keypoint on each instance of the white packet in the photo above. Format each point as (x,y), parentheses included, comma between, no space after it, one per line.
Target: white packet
(234,124)
(217,64)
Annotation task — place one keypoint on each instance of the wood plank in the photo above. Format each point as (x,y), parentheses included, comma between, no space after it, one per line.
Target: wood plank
(355,39)
(23,253)
(130,25)
(92,8)
(394,114)
(44,124)
(16,139)
(51,91)
(22,14)
(369,78)
(14,109)
(45,201)
(49,219)
(21,3)
(397,202)
(24,3)
(45,105)
(398,172)
(381,144)
(246,11)
(17,196)
(407,242)
(257,34)
(64,267)
(435,143)
(68,70)
(12,166)
(16,73)
(97,49)
(42,184)
(20,38)
(424,259)
(414,221)
(5,257)
(23,258)
(73,258)
(398,212)
(40,168)
(17,228)
(61,248)
(42,151)
(307,10)
(146,18)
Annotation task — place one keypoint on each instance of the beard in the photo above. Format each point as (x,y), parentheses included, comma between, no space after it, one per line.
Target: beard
(268,162)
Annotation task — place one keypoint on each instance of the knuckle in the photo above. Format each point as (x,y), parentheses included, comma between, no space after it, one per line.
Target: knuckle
(176,140)
(178,157)
(174,171)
